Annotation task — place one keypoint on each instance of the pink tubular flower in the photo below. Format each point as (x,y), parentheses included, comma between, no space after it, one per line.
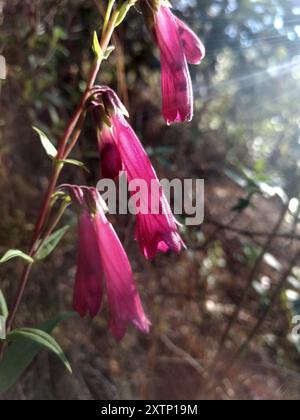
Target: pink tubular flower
(111,160)
(154,232)
(102,257)
(178,46)
(88,284)
(123,298)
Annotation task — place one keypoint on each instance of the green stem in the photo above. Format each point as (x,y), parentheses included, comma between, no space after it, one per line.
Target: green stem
(52,226)
(107,15)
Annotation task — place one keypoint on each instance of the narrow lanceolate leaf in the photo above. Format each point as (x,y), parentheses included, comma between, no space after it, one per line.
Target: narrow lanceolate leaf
(46,143)
(97,47)
(3,306)
(15,253)
(51,243)
(43,339)
(19,355)
(75,163)
(123,12)
(108,51)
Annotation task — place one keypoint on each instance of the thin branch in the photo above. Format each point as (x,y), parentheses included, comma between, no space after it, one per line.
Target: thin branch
(219,227)
(182,353)
(266,312)
(252,233)
(249,282)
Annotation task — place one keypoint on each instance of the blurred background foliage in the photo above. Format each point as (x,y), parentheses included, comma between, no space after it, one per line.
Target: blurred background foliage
(244,141)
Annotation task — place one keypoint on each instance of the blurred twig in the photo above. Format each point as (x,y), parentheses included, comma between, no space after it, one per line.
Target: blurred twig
(249,281)
(121,73)
(266,312)
(220,227)
(251,233)
(182,353)
(120,61)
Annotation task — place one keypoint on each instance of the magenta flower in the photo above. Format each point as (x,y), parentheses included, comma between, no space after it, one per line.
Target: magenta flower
(154,232)
(111,160)
(88,284)
(178,46)
(101,257)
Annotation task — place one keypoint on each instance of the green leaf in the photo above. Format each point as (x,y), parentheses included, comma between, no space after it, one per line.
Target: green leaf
(123,12)
(97,47)
(75,163)
(15,253)
(46,143)
(51,243)
(3,305)
(41,338)
(60,33)
(19,355)
(108,51)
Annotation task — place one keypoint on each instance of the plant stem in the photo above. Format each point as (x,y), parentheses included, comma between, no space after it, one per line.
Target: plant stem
(76,135)
(53,225)
(63,152)
(45,205)
(107,14)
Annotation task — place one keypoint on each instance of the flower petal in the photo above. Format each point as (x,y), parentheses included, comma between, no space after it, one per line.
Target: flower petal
(123,298)
(111,163)
(193,48)
(176,82)
(88,284)
(154,232)
(177,94)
